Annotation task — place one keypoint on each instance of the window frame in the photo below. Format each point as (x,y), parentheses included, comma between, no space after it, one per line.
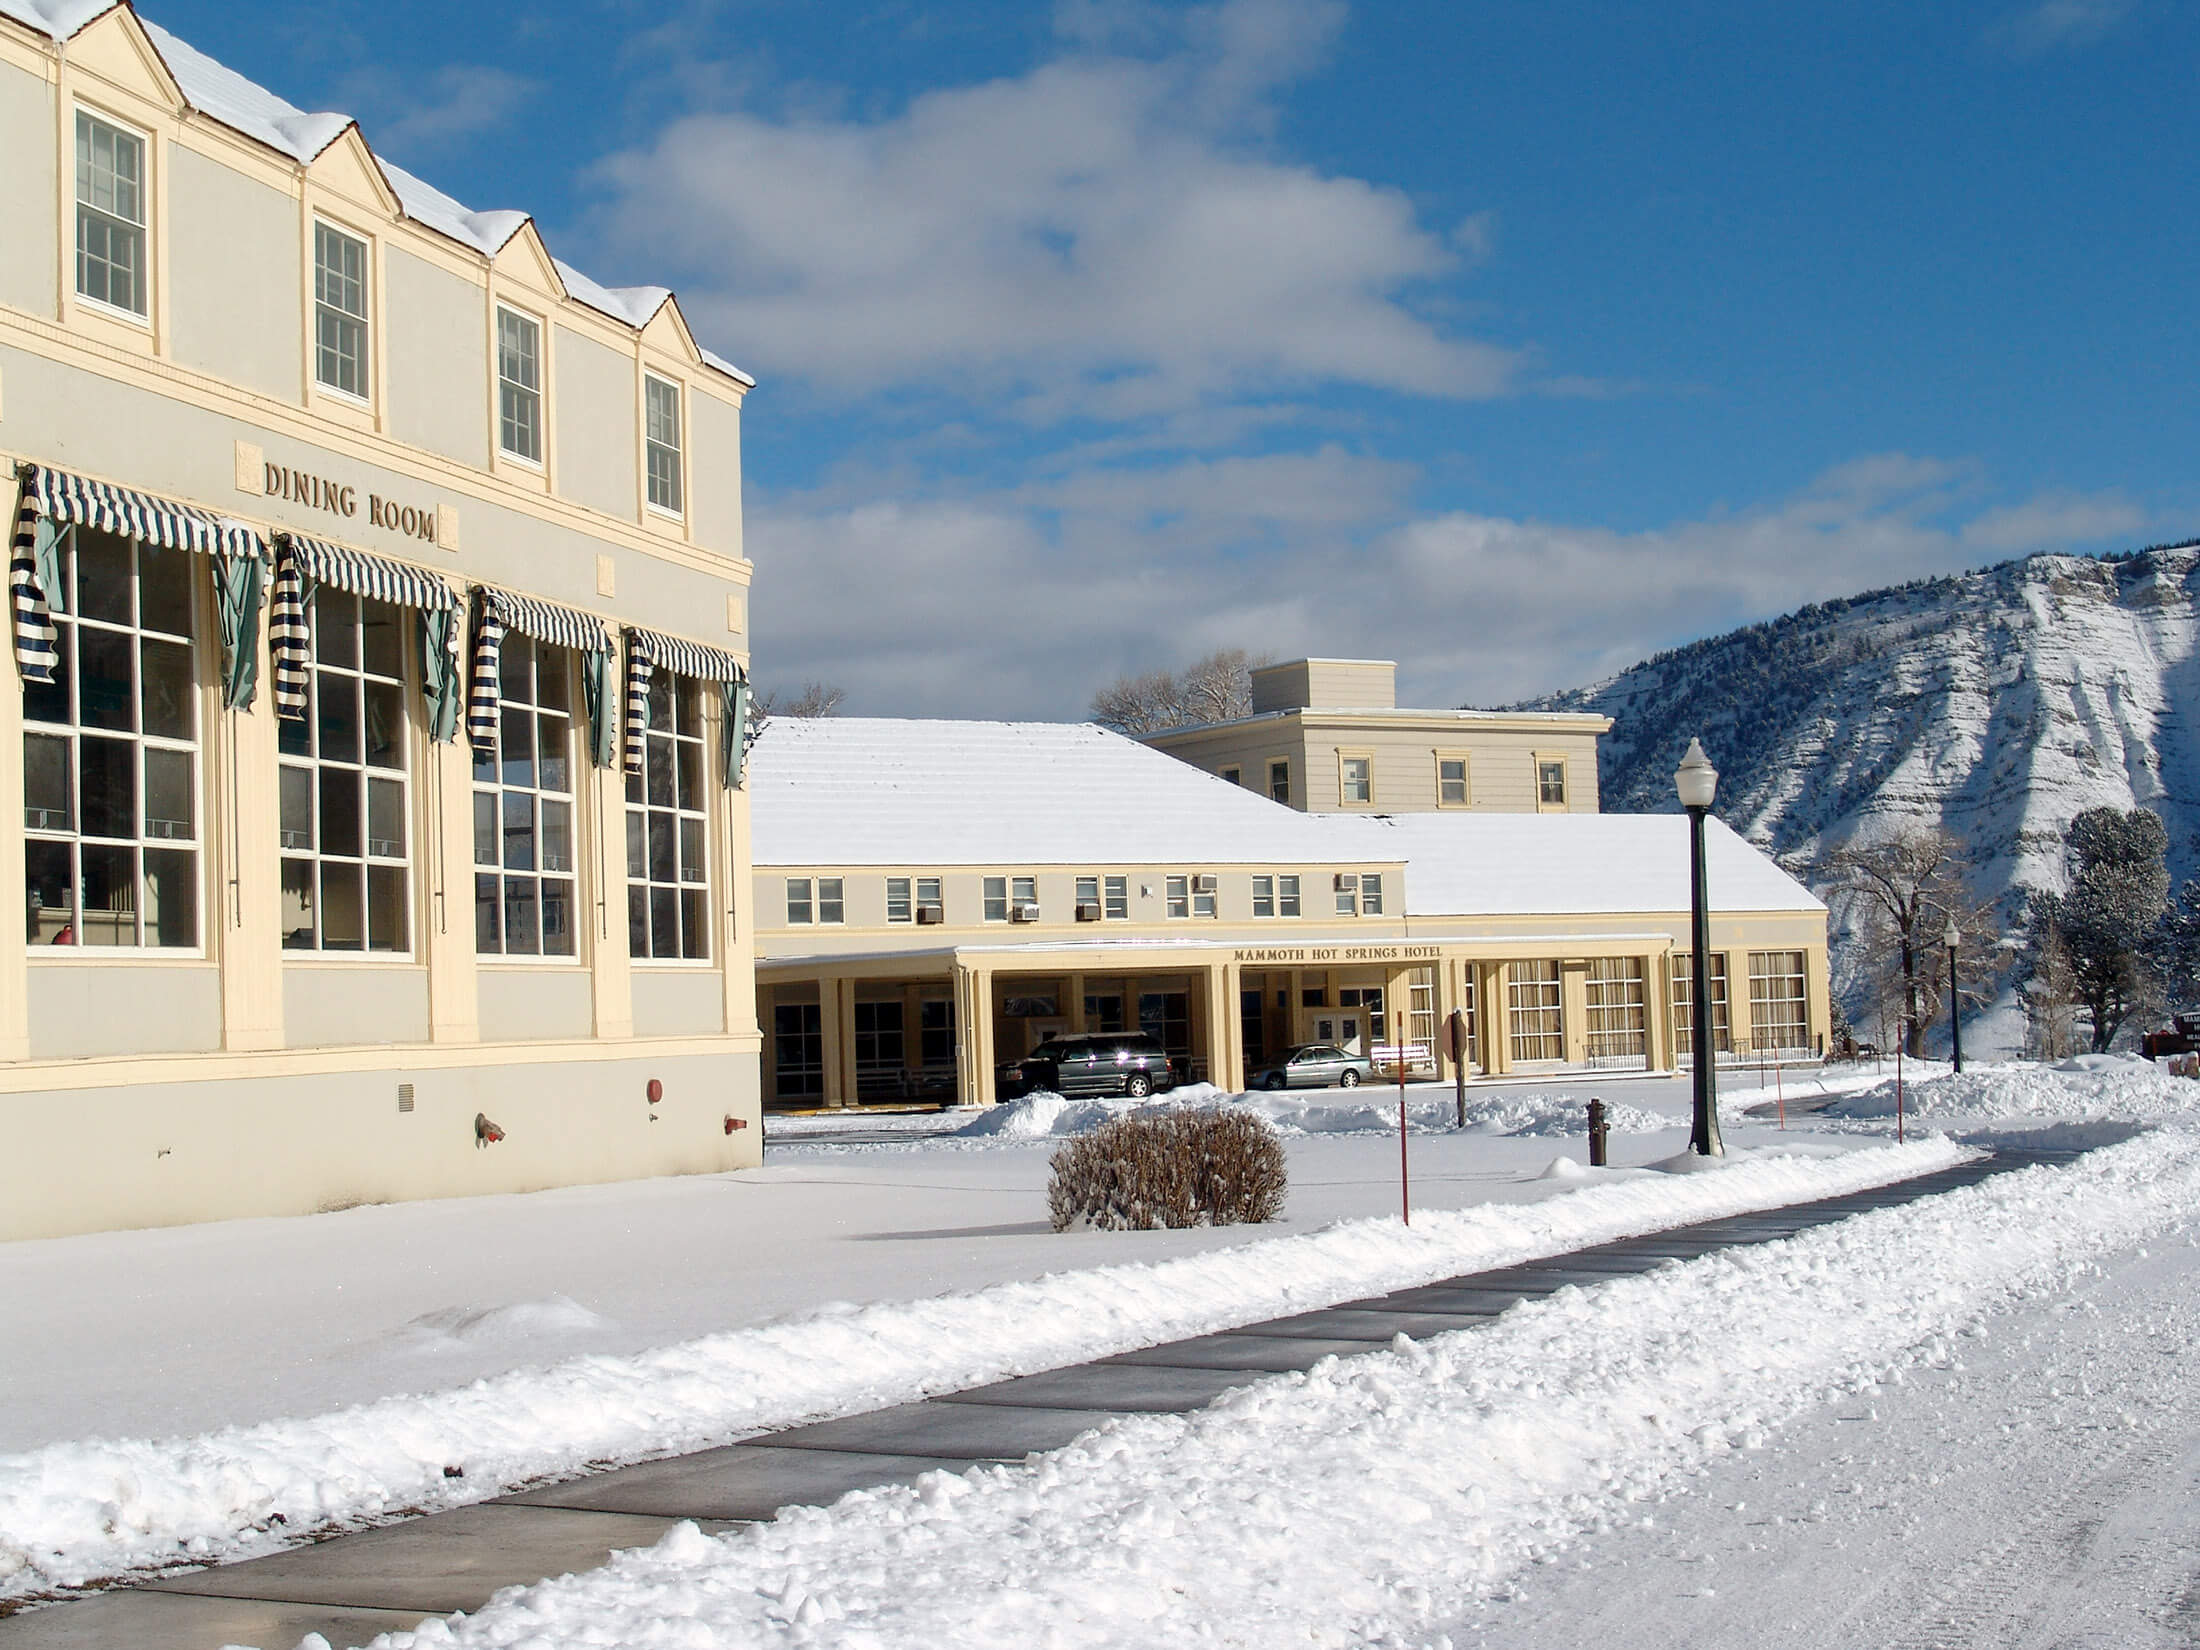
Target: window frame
(1722,1005)
(316,763)
(1371,893)
(70,624)
(1232,773)
(993,894)
(1264,894)
(363,320)
(1115,897)
(1176,896)
(142,228)
(1545,1016)
(807,902)
(1345,761)
(1558,760)
(1279,766)
(651,445)
(1762,972)
(1466,779)
(538,390)
(906,896)
(677,733)
(570,798)
(832,902)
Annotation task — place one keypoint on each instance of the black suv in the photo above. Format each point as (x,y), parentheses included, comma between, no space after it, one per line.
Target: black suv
(1101,1062)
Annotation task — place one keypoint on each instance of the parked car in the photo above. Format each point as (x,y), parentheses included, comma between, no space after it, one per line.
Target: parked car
(1085,1063)
(1311,1066)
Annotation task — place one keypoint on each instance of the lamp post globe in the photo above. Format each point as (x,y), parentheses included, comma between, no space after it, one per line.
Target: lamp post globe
(1951,938)
(1697,783)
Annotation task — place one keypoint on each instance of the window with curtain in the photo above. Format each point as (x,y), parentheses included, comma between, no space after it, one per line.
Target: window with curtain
(525,856)
(111,801)
(345,808)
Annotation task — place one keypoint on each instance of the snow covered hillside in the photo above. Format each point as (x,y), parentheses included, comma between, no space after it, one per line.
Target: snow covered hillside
(1998,703)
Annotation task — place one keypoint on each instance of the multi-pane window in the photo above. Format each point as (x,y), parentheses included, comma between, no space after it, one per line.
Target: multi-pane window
(110,752)
(519,385)
(1550,783)
(1023,890)
(815,901)
(1779,1014)
(830,907)
(1684,1020)
(798,1050)
(662,418)
(523,809)
(668,830)
(1451,782)
(1357,778)
(898,901)
(344,810)
(878,1032)
(1371,894)
(1235,776)
(928,897)
(1538,1020)
(1618,1009)
(110,215)
(1179,896)
(339,310)
(1117,905)
(936,1031)
(1348,894)
(1203,896)
(1279,782)
(1470,1012)
(1287,895)
(1421,1013)
(1264,896)
(996,899)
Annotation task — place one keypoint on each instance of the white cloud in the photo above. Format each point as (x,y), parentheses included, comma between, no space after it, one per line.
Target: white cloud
(412,114)
(2052,24)
(1021,603)
(1105,235)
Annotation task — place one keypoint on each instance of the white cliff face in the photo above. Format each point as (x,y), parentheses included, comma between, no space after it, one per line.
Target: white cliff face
(1997,704)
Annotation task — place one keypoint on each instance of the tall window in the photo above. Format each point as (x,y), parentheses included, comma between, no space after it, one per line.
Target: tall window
(344,811)
(1421,1013)
(1264,896)
(1279,782)
(663,442)
(519,385)
(1004,893)
(1538,1019)
(798,1050)
(1684,1020)
(1451,782)
(110,752)
(1779,1013)
(339,310)
(1618,1008)
(897,900)
(523,809)
(110,215)
(936,1031)
(1180,896)
(1550,782)
(1117,904)
(667,860)
(1371,893)
(1357,778)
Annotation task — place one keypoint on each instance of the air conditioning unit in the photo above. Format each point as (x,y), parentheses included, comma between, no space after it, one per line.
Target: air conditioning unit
(1024,911)
(1089,911)
(1204,883)
(931,914)
(1346,879)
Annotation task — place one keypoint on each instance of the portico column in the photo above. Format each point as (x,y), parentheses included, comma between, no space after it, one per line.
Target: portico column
(981,1027)
(1073,987)
(1496,1004)
(247,912)
(828,1031)
(1573,997)
(1225,1028)
(1657,1014)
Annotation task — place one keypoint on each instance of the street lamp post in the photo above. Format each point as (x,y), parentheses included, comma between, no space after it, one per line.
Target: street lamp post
(1952,939)
(1698,781)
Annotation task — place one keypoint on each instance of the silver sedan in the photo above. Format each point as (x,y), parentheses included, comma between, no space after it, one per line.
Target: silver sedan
(1311,1066)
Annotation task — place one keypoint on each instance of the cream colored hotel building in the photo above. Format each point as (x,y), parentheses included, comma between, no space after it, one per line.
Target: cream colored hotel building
(348,524)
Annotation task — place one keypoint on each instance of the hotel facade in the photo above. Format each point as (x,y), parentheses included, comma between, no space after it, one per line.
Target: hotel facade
(379,610)
(934,899)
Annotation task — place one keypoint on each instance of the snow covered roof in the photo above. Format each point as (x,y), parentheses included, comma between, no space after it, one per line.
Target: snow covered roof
(1467,864)
(861,791)
(227,96)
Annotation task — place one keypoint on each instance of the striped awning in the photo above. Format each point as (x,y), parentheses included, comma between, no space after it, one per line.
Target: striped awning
(546,621)
(683,658)
(80,501)
(364,574)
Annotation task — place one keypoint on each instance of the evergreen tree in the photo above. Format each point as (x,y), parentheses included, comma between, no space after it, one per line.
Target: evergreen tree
(2109,919)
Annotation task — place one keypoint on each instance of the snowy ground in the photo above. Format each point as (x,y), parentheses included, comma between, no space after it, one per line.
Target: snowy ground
(611,1323)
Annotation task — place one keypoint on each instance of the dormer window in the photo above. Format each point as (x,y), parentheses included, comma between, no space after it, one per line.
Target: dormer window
(110,215)
(519,385)
(662,430)
(339,311)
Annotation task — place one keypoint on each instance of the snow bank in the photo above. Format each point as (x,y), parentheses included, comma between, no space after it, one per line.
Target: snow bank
(74,1512)
(1994,1101)
(1370,1109)
(1372,1500)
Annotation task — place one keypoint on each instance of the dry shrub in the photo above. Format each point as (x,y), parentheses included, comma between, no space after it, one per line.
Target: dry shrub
(1169,1168)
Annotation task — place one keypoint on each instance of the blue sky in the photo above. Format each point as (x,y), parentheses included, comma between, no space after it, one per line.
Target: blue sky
(1512,341)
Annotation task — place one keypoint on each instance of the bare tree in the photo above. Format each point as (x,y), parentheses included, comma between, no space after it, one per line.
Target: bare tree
(2048,989)
(1906,886)
(1216,688)
(810,699)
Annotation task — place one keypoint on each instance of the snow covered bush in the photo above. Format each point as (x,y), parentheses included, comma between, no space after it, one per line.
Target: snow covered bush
(1168,1167)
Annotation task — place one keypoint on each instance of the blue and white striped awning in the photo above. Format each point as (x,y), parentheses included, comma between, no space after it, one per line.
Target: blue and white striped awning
(364,574)
(83,502)
(546,621)
(683,658)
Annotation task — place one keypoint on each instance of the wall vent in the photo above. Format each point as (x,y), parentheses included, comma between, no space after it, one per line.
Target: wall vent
(404,1097)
